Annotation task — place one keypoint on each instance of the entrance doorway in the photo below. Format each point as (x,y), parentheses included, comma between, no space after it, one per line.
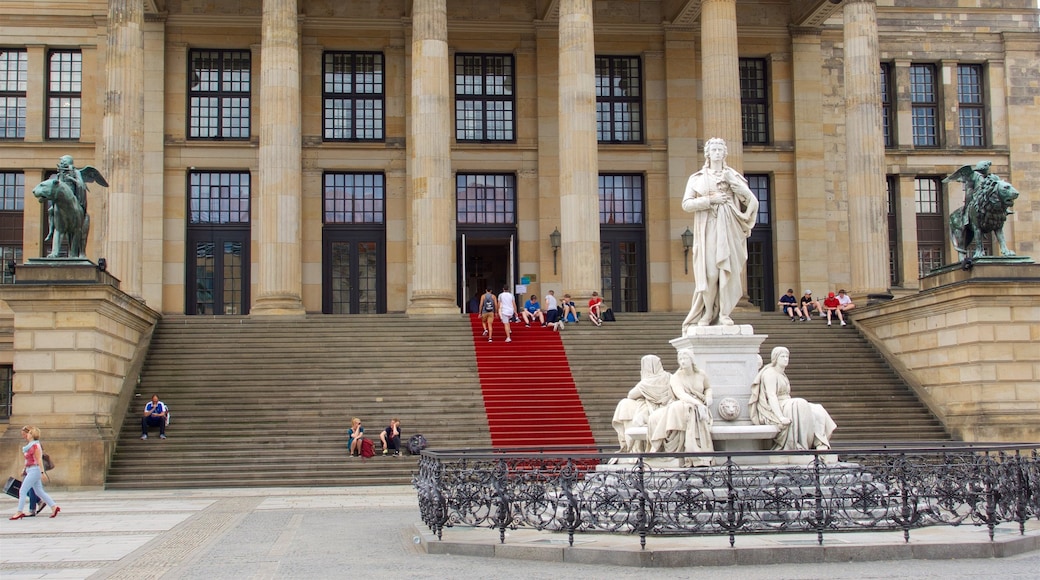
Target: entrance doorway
(217,280)
(486,261)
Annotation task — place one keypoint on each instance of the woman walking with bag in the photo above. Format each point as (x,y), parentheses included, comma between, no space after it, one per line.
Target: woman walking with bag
(34,473)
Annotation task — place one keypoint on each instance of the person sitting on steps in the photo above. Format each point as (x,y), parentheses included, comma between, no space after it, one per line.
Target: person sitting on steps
(595,303)
(155,414)
(568,309)
(391,437)
(532,311)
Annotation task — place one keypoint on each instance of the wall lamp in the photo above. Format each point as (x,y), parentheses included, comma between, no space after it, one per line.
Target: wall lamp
(687,243)
(554,241)
(102,264)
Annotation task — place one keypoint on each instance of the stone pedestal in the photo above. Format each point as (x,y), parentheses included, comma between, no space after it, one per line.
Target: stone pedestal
(729,355)
(79,343)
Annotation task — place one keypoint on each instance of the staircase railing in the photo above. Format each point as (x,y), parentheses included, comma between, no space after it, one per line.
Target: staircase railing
(874,488)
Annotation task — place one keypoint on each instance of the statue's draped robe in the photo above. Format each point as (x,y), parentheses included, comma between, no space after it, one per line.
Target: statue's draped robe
(652,392)
(810,427)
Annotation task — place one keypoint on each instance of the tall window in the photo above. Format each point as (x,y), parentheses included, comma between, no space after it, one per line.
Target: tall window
(64,88)
(485,198)
(620,199)
(12,196)
(760,246)
(218,197)
(354,198)
(971,105)
(13,79)
(354,96)
(754,101)
(218,94)
(887,124)
(619,99)
(484,99)
(924,102)
(931,238)
(892,189)
(6,390)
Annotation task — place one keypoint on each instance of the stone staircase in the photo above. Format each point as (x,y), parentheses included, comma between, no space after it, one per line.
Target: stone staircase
(267,401)
(834,366)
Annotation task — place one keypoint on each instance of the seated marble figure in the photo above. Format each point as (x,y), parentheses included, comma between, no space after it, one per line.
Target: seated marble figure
(652,392)
(803,425)
(684,425)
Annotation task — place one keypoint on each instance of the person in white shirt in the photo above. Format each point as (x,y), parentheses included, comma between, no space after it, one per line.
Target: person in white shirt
(551,312)
(506,309)
(845,301)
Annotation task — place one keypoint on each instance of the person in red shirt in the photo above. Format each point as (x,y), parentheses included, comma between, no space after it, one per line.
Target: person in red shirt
(831,306)
(594,305)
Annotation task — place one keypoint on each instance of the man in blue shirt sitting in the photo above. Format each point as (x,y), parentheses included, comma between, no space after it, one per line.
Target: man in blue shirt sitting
(533,311)
(155,414)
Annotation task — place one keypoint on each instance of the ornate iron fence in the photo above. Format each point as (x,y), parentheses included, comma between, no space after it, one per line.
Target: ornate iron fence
(894,487)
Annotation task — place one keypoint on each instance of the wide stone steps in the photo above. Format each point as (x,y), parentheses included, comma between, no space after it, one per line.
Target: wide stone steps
(834,366)
(260,401)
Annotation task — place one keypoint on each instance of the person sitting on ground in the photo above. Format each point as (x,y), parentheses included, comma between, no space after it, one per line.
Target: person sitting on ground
(789,306)
(354,437)
(832,306)
(532,311)
(808,305)
(155,413)
(569,310)
(595,303)
(845,301)
(488,308)
(391,437)
(551,312)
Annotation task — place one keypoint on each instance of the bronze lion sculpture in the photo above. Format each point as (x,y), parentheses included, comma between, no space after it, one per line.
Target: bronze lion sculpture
(987,204)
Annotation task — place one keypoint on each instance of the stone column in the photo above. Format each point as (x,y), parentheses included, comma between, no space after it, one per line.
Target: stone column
(429,160)
(720,74)
(810,218)
(122,140)
(865,153)
(579,163)
(280,279)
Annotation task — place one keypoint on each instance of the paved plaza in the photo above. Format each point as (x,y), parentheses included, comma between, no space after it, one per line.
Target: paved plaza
(370,532)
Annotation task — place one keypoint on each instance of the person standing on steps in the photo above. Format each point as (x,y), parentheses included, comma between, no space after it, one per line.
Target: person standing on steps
(506,309)
(488,308)
(34,473)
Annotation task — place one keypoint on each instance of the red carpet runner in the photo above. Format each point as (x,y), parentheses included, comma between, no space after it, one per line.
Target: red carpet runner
(529,393)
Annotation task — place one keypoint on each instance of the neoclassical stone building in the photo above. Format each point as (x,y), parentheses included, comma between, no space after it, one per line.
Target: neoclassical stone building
(303,155)
(357,156)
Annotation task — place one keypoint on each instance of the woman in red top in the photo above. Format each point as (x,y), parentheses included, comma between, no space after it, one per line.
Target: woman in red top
(831,305)
(34,473)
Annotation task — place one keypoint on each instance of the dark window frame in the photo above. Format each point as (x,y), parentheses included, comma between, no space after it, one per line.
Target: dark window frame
(754,101)
(225,99)
(623,203)
(229,205)
(888,120)
(615,122)
(6,390)
(347,95)
(494,103)
(924,105)
(13,93)
(344,199)
(64,94)
(971,105)
(473,205)
(931,230)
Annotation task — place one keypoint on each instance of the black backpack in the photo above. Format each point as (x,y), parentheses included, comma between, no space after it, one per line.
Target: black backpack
(416,443)
(608,316)
(489,303)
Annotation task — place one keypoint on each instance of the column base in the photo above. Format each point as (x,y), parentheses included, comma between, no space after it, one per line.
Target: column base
(278,306)
(434,304)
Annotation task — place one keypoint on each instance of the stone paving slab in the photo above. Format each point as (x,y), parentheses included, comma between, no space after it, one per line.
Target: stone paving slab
(305,533)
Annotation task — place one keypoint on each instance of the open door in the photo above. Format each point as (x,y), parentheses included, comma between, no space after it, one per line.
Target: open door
(484,263)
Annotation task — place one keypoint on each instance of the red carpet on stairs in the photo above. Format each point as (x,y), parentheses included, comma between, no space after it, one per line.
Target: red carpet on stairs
(529,393)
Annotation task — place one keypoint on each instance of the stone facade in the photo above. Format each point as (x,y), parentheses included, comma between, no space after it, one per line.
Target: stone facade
(824,232)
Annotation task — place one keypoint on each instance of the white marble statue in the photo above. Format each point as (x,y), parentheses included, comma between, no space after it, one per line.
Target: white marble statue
(724,211)
(803,425)
(652,392)
(684,425)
